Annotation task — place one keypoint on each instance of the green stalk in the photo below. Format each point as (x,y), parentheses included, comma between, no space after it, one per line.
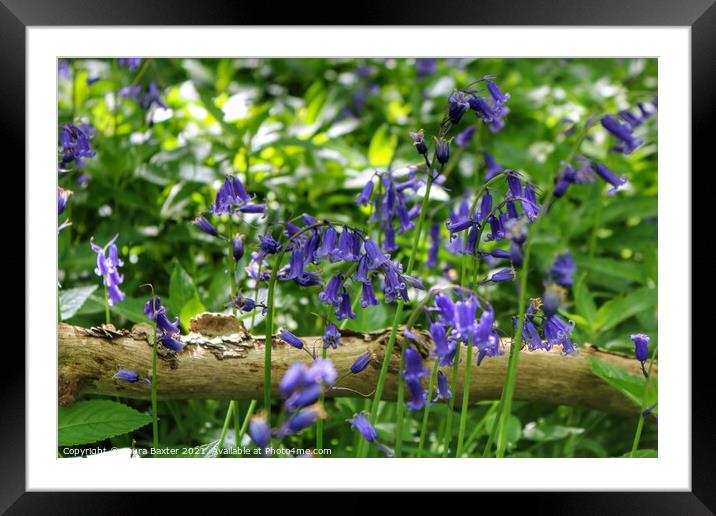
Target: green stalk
(106,305)
(426,409)
(155,419)
(225,428)
(400,407)
(640,424)
(269,319)
(453,388)
(465,400)
(399,310)
(511,377)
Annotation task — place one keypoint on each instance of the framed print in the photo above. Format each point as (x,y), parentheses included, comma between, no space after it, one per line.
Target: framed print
(424,253)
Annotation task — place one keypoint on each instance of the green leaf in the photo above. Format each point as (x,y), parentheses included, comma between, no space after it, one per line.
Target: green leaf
(623,270)
(629,385)
(642,454)
(622,308)
(131,308)
(382,147)
(91,421)
(514,428)
(583,299)
(190,310)
(72,299)
(183,296)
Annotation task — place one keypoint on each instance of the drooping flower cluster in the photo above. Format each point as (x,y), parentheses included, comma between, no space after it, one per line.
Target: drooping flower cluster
(144,97)
(301,386)
(75,145)
(491,110)
(554,329)
(108,268)
(167,331)
(130,62)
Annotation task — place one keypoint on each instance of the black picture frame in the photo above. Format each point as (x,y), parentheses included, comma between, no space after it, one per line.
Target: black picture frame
(699,15)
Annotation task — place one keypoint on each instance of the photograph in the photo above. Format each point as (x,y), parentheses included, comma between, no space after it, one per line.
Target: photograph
(379,257)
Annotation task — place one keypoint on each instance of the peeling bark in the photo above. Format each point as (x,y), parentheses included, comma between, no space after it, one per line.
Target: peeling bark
(222,361)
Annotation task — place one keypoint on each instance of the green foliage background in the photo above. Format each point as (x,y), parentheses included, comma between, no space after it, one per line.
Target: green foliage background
(305,135)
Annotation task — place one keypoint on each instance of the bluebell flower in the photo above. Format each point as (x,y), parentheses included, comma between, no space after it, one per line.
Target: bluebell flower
(446,309)
(360,422)
(164,325)
(205,226)
(492,167)
(153,307)
(232,196)
(414,369)
(442,150)
(303,397)
(418,395)
(296,264)
(552,298)
(108,268)
(465,320)
(152,96)
(368,295)
(328,243)
(345,311)
(332,293)
(259,431)
(132,92)
(565,178)
(127,375)
(349,244)
(563,269)
(301,420)
(268,245)
(623,133)
(482,108)
(516,230)
(331,337)
(293,379)
(75,145)
(610,177)
(63,196)
(442,389)
(418,138)
(130,62)
(444,349)
(374,255)
(530,335)
(641,346)
(365,194)
(434,245)
(291,339)
(556,331)
(361,363)
(169,341)
(498,97)
(502,275)
(463,139)
(426,66)
(457,107)
(321,371)
(237,247)
(245,304)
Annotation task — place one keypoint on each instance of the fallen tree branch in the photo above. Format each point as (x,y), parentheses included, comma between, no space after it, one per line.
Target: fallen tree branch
(222,361)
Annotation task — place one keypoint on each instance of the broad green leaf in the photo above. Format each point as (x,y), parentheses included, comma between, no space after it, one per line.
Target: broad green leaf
(622,308)
(623,270)
(190,310)
(72,299)
(181,289)
(94,420)
(131,308)
(583,299)
(382,147)
(514,428)
(629,385)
